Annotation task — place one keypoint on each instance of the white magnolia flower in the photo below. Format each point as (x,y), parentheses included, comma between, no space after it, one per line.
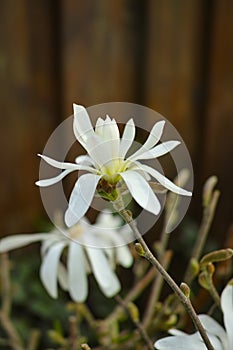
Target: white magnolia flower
(81,259)
(220,338)
(106,161)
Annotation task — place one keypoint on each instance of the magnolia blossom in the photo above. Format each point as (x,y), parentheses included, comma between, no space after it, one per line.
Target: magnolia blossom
(220,338)
(81,259)
(107,164)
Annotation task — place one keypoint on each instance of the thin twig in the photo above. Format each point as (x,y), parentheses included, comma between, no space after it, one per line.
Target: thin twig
(151,258)
(14,338)
(34,339)
(207,219)
(155,292)
(134,293)
(137,324)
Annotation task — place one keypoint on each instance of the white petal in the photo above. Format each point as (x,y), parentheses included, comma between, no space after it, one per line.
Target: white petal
(108,220)
(18,241)
(84,160)
(57,164)
(53,180)
(141,191)
(99,127)
(106,278)
(49,268)
(63,277)
(164,181)
(122,252)
(153,138)
(127,138)
(213,327)
(82,126)
(81,198)
(77,273)
(158,150)
(227,307)
(65,165)
(99,150)
(182,342)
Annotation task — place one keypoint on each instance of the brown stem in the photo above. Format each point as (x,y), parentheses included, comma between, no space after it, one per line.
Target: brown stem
(150,257)
(137,324)
(207,219)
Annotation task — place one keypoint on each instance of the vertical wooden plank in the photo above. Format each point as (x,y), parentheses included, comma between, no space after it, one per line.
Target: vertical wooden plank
(172,69)
(219,124)
(99,42)
(27,107)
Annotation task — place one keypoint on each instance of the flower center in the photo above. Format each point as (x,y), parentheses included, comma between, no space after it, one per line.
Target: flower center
(112,169)
(76,231)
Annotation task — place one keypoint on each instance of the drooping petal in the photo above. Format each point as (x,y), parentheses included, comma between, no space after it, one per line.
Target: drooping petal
(65,165)
(158,150)
(106,278)
(151,141)
(49,268)
(82,126)
(77,273)
(62,277)
(141,191)
(181,342)
(127,138)
(178,343)
(123,255)
(164,181)
(53,180)
(214,328)
(81,198)
(107,219)
(18,241)
(227,308)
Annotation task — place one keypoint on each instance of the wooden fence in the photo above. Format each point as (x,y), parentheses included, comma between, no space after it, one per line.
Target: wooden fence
(174,56)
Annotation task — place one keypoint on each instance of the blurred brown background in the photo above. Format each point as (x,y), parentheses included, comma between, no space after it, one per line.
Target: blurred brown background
(174,56)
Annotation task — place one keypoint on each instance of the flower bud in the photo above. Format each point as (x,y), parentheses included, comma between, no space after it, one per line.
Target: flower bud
(203,280)
(208,190)
(185,289)
(139,249)
(218,255)
(134,312)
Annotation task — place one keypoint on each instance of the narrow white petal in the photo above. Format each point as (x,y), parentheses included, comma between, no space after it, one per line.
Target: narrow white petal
(213,327)
(84,160)
(182,342)
(164,181)
(66,165)
(99,150)
(49,268)
(106,278)
(81,198)
(158,150)
(57,164)
(53,180)
(99,127)
(227,308)
(18,241)
(152,139)
(82,126)
(123,254)
(141,191)
(63,277)
(77,273)
(127,138)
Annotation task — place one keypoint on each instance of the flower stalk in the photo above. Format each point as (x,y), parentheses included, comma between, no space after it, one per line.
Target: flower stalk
(152,259)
